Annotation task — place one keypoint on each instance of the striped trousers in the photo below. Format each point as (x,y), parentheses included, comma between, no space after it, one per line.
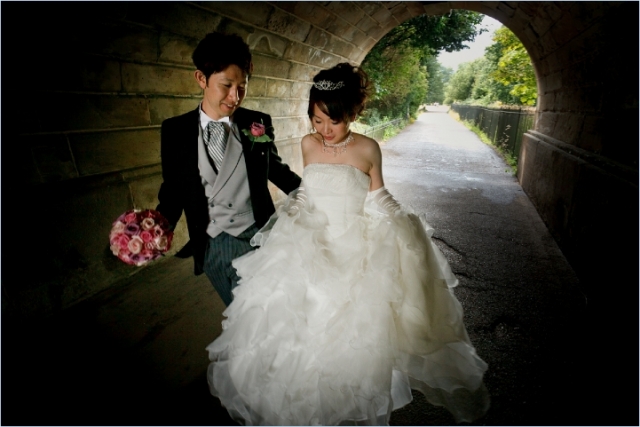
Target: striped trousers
(221,250)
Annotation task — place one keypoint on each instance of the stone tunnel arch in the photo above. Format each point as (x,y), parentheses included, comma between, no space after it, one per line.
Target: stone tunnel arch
(109,73)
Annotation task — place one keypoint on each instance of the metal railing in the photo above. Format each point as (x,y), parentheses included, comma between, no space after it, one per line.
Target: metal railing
(377,132)
(505,127)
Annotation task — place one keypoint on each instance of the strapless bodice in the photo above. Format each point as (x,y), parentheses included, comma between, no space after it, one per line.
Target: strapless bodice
(338,190)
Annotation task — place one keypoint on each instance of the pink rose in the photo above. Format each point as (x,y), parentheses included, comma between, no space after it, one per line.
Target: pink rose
(135,245)
(257,129)
(148,223)
(146,236)
(130,217)
(150,246)
(123,241)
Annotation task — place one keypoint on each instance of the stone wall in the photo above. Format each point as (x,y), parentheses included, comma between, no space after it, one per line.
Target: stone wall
(86,91)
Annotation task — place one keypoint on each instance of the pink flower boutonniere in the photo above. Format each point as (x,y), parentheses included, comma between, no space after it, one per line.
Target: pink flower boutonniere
(257,133)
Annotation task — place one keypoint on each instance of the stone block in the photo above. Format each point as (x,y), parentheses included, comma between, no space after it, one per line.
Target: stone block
(255,12)
(266,66)
(279,88)
(551,82)
(288,6)
(377,32)
(163,107)
(341,29)
(552,9)
(340,47)
(302,72)
(83,111)
(292,127)
(436,9)
(546,101)
(175,49)
(590,137)
(317,38)
(384,17)
(546,123)
(154,79)
(144,189)
(400,11)
(547,43)
(299,52)
(85,73)
(314,13)
(114,39)
(366,24)
(325,60)
(257,87)
(359,38)
(267,43)
(181,18)
(103,152)
(568,127)
(370,7)
(349,11)
(417,8)
(50,156)
(288,25)
(300,90)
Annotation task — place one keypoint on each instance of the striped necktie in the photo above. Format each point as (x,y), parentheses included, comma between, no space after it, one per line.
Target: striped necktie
(215,136)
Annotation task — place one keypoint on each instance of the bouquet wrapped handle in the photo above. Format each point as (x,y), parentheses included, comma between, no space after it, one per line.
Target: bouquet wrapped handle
(139,236)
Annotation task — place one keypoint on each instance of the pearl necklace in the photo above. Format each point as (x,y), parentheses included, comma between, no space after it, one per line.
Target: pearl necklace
(338,148)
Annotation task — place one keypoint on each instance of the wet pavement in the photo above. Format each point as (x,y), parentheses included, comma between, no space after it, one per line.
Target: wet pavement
(134,355)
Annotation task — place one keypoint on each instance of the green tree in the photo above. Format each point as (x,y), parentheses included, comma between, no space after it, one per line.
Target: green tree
(438,78)
(399,63)
(514,68)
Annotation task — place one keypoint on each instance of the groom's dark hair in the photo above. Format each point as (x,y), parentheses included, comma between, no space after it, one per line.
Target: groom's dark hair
(216,51)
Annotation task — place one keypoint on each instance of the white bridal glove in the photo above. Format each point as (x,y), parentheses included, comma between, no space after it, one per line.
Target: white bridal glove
(299,201)
(383,200)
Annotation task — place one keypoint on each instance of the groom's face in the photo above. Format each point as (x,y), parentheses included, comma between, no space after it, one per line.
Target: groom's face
(223,91)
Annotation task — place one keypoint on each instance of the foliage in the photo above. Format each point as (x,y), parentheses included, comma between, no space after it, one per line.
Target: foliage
(503,76)
(514,67)
(402,65)
(438,78)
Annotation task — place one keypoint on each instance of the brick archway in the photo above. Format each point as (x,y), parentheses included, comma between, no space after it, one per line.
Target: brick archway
(111,72)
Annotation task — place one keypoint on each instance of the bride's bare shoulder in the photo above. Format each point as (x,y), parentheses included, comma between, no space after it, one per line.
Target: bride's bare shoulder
(368,145)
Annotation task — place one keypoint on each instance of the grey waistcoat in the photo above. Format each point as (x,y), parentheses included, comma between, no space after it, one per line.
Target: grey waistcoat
(228,192)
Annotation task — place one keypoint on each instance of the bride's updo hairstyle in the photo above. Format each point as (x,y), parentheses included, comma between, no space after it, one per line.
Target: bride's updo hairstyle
(339,92)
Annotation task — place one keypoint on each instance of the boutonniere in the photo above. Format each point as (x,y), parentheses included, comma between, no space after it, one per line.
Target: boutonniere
(257,133)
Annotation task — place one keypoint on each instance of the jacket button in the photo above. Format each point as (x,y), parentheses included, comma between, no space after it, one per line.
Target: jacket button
(230,220)
(213,220)
(230,205)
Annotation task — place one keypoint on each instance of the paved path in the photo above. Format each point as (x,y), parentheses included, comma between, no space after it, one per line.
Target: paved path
(135,354)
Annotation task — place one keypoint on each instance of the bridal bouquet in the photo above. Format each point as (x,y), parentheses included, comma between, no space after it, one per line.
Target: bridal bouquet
(138,237)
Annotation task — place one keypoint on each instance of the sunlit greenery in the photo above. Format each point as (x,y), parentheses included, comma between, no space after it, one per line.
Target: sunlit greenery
(503,76)
(402,65)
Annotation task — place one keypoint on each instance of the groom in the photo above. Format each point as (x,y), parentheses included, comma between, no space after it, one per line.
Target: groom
(216,173)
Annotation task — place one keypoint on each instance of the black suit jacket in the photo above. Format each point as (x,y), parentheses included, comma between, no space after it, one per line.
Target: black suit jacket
(182,189)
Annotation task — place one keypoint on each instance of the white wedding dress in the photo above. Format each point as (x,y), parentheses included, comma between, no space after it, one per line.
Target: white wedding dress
(340,313)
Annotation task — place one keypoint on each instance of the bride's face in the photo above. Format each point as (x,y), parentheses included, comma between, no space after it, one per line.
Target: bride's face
(332,131)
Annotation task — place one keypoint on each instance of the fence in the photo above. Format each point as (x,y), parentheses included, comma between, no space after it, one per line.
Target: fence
(504,127)
(376,132)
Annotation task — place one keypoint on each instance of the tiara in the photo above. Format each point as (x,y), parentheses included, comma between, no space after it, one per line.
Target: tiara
(328,85)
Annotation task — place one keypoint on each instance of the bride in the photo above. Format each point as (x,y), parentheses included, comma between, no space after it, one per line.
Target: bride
(347,305)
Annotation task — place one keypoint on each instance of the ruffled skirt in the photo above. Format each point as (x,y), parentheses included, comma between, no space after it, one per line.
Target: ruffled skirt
(336,329)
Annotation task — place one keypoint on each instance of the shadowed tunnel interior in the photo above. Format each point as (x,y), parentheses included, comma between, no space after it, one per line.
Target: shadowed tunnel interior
(89,84)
